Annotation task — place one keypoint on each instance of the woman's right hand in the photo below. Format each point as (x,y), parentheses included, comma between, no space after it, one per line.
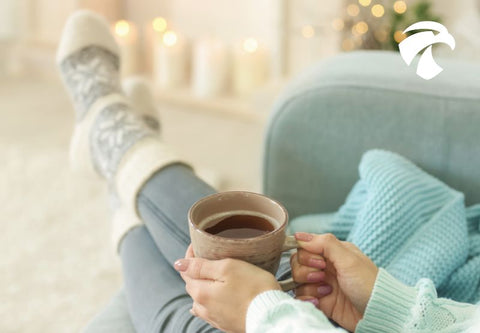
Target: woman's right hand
(344,288)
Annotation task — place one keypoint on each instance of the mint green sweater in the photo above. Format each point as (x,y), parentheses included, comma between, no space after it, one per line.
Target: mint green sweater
(393,307)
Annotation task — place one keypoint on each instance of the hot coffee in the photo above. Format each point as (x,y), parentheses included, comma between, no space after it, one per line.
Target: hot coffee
(241,226)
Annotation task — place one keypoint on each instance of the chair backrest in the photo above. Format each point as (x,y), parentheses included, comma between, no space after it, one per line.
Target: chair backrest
(331,115)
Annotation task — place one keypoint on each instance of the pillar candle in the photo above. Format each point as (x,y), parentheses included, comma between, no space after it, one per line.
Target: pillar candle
(250,66)
(170,61)
(153,32)
(210,67)
(127,39)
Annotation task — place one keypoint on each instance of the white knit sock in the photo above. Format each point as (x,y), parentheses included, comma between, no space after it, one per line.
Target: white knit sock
(140,95)
(109,138)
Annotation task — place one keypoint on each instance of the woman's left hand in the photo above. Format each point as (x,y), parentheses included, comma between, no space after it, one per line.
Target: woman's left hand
(223,289)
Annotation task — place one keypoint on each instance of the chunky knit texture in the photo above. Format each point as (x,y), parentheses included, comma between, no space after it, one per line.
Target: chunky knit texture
(419,231)
(411,224)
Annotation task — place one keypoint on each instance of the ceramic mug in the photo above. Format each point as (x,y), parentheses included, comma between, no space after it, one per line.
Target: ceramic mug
(263,251)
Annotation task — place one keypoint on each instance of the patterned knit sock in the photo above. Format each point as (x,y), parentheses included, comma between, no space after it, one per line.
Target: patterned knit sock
(140,95)
(109,137)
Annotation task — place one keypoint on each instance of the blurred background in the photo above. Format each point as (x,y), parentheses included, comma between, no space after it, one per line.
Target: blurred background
(215,68)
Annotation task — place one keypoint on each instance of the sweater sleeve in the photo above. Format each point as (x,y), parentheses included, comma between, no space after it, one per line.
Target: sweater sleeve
(395,307)
(276,312)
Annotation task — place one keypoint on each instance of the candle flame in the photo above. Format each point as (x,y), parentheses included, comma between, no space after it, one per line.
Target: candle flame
(250,45)
(159,24)
(122,28)
(170,38)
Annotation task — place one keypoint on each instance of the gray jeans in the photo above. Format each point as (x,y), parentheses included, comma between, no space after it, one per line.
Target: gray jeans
(155,292)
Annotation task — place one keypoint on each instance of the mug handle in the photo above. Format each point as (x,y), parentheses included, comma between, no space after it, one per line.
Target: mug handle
(289,244)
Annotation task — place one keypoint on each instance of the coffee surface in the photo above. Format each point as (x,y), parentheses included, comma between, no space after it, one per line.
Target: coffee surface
(241,226)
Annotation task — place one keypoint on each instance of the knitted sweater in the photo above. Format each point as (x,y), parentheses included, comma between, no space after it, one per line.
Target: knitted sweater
(415,227)
(393,307)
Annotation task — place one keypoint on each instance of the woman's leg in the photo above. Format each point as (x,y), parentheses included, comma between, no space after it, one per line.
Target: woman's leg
(155,292)
(163,204)
(118,144)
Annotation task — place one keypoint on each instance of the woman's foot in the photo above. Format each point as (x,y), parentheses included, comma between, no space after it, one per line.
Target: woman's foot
(110,138)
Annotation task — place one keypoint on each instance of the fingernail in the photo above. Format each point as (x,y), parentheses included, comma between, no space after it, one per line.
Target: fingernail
(315,276)
(324,290)
(303,236)
(181,265)
(317,263)
(314,301)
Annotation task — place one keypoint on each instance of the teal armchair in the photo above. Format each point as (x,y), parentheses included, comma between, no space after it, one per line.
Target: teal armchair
(329,116)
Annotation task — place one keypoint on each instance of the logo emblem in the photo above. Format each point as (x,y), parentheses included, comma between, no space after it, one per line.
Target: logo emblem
(427,68)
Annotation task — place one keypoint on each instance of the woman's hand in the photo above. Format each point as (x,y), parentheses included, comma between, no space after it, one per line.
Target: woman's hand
(337,273)
(223,289)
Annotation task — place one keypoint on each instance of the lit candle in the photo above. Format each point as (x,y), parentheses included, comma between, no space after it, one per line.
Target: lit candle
(170,61)
(126,36)
(250,66)
(210,68)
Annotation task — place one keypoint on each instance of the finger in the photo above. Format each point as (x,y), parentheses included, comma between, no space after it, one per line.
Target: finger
(309,299)
(198,268)
(326,245)
(200,311)
(310,259)
(317,290)
(304,274)
(199,290)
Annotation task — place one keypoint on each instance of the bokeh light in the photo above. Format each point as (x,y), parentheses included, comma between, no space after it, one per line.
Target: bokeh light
(353,10)
(399,36)
(348,44)
(365,3)
(360,28)
(159,24)
(170,38)
(122,28)
(308,31)
(250,45)
(338,24)
(400,7)
(378,10)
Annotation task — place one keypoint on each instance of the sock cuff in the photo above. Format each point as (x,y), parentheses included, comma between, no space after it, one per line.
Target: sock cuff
(80,154)
(123,221)
(139,163)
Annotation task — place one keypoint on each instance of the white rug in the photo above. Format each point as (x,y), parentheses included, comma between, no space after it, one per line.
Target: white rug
(57,268)
(54,244)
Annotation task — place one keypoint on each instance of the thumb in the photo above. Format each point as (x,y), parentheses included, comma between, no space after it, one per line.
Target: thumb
(326,245)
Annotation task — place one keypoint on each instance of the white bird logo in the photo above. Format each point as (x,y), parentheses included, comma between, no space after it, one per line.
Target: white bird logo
(427,68)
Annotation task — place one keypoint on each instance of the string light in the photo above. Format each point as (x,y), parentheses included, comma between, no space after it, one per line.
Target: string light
(308,31)
(399,36)
(378,10)
(400,7)
(159,24)
(365,3)
(353,10)
(338,24)
(360,28)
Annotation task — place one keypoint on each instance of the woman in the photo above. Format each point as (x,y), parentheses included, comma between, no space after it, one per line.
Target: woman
(118,139)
